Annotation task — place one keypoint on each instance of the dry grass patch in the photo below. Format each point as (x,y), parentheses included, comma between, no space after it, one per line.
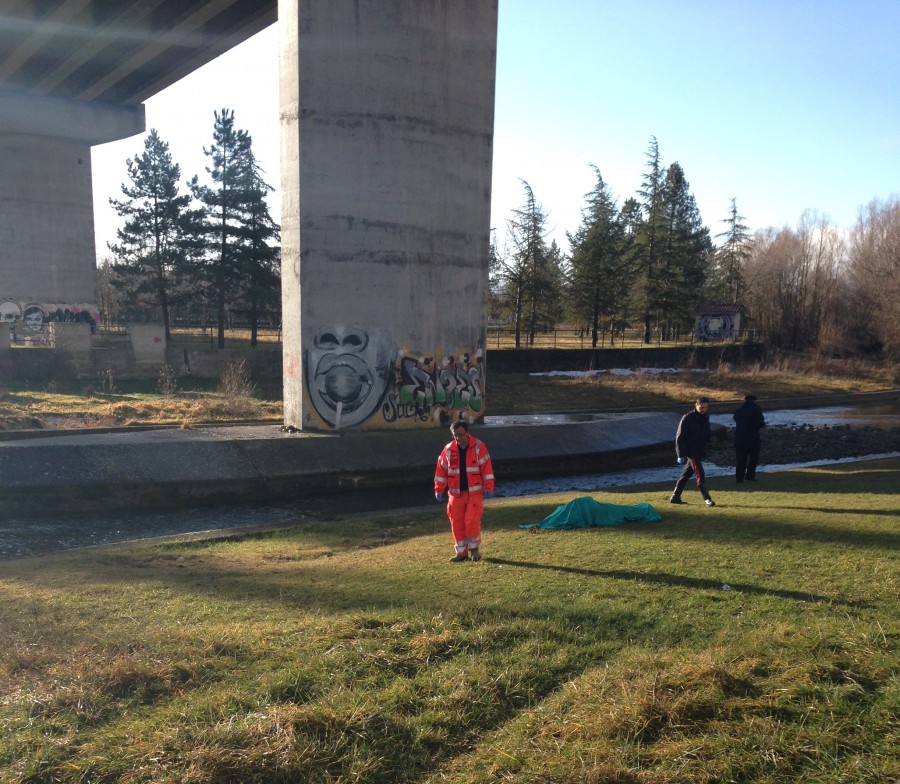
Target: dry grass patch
(512,392)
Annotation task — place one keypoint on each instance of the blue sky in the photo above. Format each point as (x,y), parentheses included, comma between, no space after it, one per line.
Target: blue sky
(786,106)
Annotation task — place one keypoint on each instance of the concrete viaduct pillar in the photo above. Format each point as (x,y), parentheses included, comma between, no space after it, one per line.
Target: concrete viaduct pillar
(387,111)
(47,257)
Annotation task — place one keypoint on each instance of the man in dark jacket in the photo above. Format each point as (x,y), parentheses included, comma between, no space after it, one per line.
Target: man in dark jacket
(690,446)
(748,421)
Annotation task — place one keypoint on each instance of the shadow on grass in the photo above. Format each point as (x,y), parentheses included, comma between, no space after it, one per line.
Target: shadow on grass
(714,526)
(683,582)
(824,510)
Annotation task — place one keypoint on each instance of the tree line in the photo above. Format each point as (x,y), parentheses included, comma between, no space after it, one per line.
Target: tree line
(648,262)
(651,261)
(209,248)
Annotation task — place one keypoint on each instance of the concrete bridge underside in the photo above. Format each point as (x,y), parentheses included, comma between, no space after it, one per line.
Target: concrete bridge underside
(387,133)
(74,73)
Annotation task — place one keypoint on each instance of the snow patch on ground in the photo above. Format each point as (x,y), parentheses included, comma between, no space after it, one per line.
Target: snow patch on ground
(619,372)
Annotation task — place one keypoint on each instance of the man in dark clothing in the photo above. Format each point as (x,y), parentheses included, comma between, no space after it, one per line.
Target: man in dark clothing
(748,421)
(690,446)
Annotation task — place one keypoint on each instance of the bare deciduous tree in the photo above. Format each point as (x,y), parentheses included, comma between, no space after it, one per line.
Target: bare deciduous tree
(873,273)
(792,280)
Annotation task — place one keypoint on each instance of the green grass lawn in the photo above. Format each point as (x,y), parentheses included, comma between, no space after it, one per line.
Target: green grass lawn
(352,651)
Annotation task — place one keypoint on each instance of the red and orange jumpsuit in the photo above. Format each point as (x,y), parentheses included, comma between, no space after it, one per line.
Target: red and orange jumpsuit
(466,486)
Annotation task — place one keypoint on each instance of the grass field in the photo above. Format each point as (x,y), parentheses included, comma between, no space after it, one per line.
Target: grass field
(752,642)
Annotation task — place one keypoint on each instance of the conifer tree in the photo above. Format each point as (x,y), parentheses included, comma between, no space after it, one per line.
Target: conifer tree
(685,254)
(649,240)
(599,276)
(257,258)
(531,273)
(151,244)
(730,258)
(223,201)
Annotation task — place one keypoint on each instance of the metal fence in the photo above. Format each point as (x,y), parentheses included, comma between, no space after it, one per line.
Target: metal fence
(206,336)
(501,338)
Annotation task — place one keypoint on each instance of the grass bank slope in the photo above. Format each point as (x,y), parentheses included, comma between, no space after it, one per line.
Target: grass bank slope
(752,642)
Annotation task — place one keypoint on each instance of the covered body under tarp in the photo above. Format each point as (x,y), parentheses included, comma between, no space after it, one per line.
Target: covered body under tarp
(584,512)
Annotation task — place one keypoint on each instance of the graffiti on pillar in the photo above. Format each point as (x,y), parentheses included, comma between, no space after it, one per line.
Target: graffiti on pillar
(351,372)
(437,389)
(348,370)
(35,316)
(10,311)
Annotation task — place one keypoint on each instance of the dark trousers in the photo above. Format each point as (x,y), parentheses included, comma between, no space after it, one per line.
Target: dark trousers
(746,460)
(693,467)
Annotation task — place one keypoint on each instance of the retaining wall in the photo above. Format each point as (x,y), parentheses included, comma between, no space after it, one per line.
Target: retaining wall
(265,364)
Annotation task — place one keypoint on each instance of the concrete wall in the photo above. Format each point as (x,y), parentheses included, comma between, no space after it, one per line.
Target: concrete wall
(148,342)
(71,338)
(387,131)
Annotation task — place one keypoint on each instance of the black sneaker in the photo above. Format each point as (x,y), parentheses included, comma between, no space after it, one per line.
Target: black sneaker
(675,500)
(475,555)
(460,557)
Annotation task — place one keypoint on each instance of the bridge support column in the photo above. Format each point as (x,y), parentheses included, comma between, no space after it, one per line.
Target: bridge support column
(387,114)
(47,257)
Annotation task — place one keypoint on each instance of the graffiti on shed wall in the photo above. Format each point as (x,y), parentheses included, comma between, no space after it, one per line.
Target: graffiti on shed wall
(355,375)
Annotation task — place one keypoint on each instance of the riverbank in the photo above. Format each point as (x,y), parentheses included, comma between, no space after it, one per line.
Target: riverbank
(806,443)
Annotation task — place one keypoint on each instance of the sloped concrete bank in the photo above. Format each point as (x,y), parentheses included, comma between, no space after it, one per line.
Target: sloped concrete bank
(259,463)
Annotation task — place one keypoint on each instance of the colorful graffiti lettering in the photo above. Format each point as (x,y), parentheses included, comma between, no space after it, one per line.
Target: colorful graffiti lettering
(432,390)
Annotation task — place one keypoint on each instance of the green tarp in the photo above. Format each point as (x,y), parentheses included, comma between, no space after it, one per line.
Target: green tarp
(585,511)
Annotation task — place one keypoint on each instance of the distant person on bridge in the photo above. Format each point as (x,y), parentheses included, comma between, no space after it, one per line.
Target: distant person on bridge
(748,421)
(691,438)
(464,471)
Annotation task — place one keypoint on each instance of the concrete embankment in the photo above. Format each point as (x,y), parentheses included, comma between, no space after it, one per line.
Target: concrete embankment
(259,463)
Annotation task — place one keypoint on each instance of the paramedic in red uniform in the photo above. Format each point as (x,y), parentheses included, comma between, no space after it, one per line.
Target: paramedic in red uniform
(464,471)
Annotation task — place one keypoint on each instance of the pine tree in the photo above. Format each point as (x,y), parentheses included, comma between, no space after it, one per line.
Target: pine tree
(649,239)
(531,273)
(152,242)
(686,252)
(223,201)
(730,258)
(257,259)
(599,268)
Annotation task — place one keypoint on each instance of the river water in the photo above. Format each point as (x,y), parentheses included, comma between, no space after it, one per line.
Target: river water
(882,415)
(26,537)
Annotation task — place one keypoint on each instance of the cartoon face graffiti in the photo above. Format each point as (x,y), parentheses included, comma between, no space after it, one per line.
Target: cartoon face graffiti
(34,317)
(348,370)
